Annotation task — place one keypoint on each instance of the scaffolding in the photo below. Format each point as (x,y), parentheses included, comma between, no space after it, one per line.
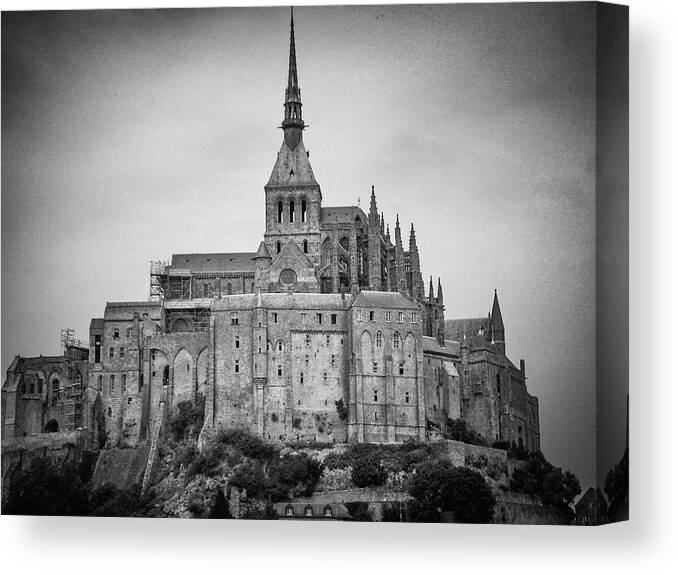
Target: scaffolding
(158,273)
(76,355)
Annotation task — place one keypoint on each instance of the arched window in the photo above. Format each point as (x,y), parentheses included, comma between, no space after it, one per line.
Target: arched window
(289,511)
(308,511)
(124,382)
(205,290)
(327,512)
(305,246)
(291,211)
(280,345)
(277,247)
(112,382)
(303,211)
(280,212)
(396,340)
(229,288)
(380,339)
(100,382)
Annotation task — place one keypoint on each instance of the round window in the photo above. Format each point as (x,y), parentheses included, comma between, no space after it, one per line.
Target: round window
(288,277)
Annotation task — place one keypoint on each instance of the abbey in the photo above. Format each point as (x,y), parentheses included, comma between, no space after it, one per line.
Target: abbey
(326,332)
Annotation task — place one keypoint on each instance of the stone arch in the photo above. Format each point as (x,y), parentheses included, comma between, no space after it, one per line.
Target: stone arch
(182,324)
(202,368)
(303,202)
(52,426)
(345,243)
(379,339)
(292,213)
(366,351)
(183,388)
(54,385)
(280,210)
(42,387)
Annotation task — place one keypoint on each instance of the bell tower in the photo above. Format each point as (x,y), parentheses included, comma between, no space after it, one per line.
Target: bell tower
(293,196)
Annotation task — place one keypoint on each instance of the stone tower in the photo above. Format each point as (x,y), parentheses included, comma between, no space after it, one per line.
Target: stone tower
(293,197)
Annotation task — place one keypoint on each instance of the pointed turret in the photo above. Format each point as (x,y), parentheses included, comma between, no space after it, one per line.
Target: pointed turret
(388,232)
(430,290)
(497,324)
(398,237)
(440,292)
(262,252)
(382,222)
(413,239)
(374,212)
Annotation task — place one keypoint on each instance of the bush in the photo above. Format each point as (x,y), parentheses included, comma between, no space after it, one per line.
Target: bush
(539,478)
(47,489)
(187,419)
(110,501)
(368,471)
(342,410)
(457,429)
(438,486)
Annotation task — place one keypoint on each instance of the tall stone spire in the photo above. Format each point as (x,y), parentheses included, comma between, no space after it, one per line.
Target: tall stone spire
(413,239)
(497,325)
(430,290)
(398,237)
(440,292)
(293,124)
(374,212)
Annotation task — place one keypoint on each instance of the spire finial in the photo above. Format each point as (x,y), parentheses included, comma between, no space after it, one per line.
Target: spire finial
(293,123)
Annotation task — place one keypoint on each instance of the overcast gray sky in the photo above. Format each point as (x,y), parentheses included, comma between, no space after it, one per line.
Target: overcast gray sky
(130,135)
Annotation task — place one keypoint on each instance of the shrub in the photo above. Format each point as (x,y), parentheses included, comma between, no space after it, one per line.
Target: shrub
(438,486)
(457,429)
(368,471)
(342,410)
(47,489)
(538,477)
(188,418)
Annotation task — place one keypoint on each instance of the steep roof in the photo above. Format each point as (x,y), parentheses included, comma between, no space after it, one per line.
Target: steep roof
(456,329)
(341,214)
(224,262)
(384,299)
(292,167)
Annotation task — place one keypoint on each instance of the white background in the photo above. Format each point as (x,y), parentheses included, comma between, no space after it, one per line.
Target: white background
(647,543)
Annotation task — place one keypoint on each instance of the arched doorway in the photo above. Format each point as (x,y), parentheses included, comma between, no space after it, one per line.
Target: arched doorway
(52,426)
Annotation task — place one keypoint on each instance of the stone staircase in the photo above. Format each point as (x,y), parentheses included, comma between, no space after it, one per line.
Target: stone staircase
(155,436)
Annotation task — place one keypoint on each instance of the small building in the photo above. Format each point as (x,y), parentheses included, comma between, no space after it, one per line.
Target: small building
(591,509)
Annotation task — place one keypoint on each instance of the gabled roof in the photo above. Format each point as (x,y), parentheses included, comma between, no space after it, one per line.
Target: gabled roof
(224,262)
(431,345)
(292,167)
(456,329)
(124,310)
(341,214)
(385,299)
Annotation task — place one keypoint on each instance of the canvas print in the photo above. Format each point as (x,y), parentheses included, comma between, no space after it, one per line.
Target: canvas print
(424,320)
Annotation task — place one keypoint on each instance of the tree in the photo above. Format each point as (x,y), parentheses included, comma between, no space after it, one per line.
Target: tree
(47,489)
(437,486)
(617,490)
(368,471)
(541,479)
